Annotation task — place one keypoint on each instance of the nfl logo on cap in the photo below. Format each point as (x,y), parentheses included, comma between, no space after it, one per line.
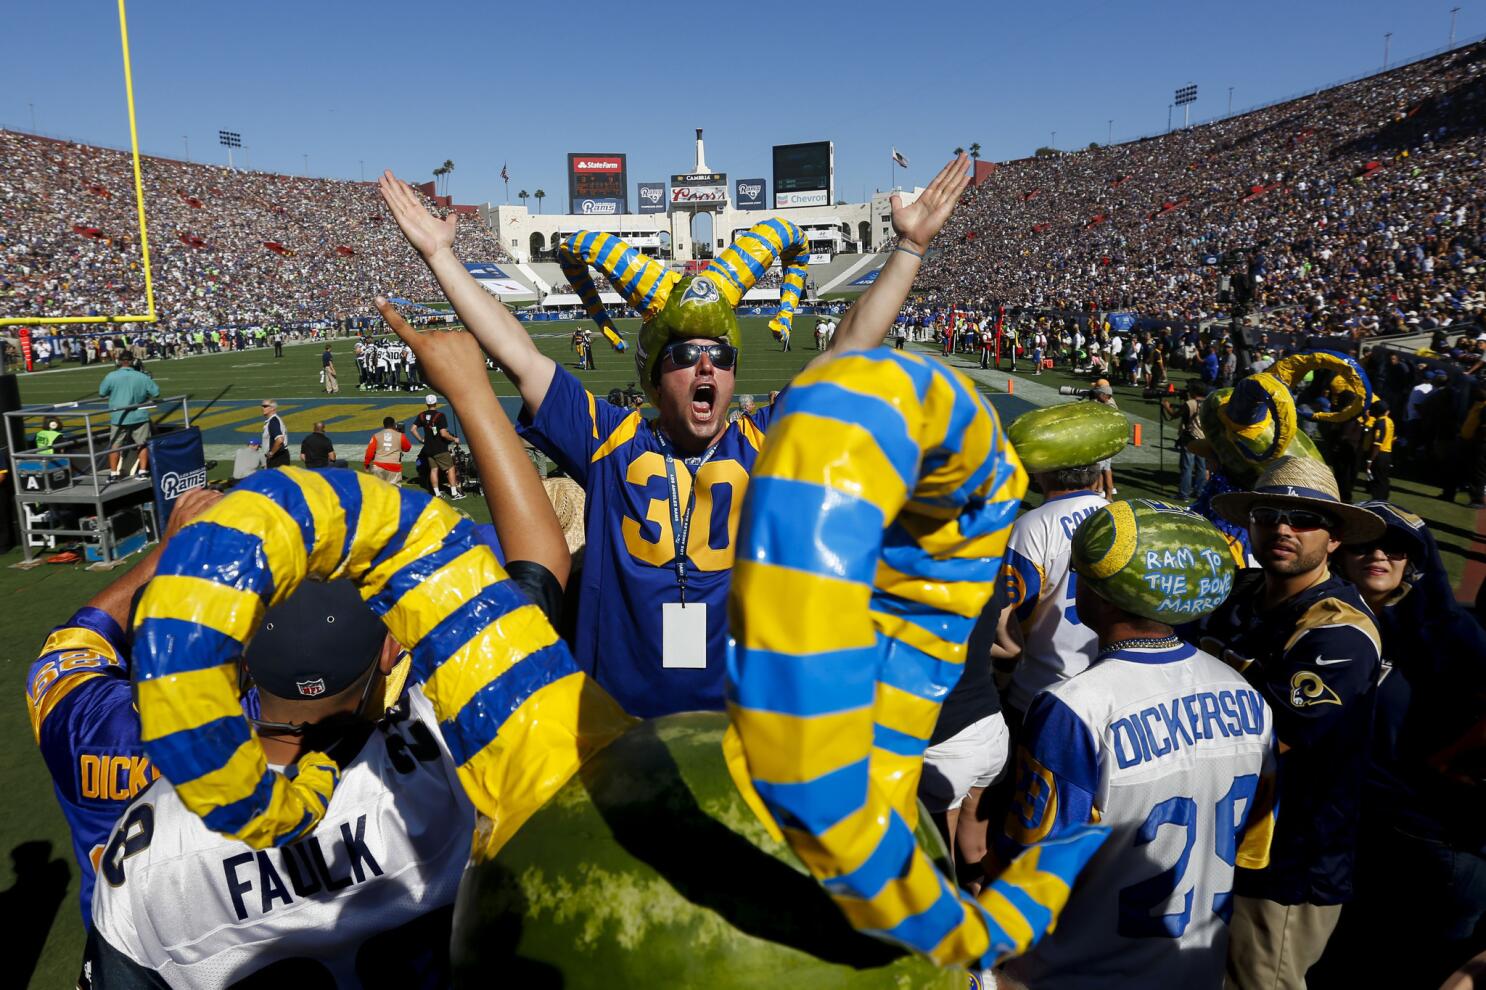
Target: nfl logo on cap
(311,689)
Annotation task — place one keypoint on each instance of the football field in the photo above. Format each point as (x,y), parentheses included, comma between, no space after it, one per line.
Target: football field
(39,876)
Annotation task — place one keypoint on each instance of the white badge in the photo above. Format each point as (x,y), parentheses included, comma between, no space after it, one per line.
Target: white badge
(683,640)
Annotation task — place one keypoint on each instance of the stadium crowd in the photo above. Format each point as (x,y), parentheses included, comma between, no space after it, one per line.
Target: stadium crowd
(227,247)
(1359,206)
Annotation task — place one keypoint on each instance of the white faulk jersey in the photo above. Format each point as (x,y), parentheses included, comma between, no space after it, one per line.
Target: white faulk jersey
(367,896)
(1055,644)
(1174,751)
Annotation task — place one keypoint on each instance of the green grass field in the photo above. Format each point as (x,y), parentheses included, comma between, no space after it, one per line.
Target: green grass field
(31,826)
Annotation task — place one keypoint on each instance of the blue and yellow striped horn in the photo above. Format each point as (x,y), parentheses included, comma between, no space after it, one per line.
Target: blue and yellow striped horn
(879,510)
(517,713)
(755,250)
(641,280)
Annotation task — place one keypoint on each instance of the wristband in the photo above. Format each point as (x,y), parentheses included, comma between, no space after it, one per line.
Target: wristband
(905,250)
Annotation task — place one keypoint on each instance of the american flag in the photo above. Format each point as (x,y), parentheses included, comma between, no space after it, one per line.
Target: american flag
(898,157)
(504,174)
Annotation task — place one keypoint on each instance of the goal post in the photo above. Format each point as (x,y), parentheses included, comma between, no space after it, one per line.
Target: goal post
(144,240)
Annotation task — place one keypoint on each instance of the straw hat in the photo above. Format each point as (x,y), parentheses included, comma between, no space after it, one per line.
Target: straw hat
(1303,483)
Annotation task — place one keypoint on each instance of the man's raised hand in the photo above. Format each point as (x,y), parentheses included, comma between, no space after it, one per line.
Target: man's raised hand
(427,233)
(917,223)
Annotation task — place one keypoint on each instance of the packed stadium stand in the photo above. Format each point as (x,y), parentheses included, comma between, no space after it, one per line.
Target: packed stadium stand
(227,247)
(1358,206)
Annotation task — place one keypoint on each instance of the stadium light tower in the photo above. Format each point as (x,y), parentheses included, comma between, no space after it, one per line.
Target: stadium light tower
(229,140)
(1453,12)
(1230,101)
(1185,97)
(1387,41)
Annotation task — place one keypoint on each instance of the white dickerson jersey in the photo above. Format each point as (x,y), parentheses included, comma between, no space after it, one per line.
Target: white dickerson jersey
(1174,751)
(1055,644)
(353,898)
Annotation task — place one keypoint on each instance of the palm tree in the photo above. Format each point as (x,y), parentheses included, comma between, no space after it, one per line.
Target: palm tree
(438,174)
(522,195)
(959,152)
(975,151)
(540,195)
(448,167)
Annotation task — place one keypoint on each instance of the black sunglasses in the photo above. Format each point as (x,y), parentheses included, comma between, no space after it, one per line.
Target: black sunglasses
(685,354)
(1296,519)
(1391,550)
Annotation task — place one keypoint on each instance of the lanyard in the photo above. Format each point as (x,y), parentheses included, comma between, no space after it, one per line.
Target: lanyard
(681,524)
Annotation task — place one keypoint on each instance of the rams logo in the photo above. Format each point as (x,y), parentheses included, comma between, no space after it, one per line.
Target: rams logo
(701,290)
(1307,689)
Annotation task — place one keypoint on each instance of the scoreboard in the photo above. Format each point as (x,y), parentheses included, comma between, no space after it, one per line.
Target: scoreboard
(598,183)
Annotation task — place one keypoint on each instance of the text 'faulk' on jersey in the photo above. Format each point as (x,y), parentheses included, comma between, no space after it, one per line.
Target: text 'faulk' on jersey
(1163,729)
(279,877)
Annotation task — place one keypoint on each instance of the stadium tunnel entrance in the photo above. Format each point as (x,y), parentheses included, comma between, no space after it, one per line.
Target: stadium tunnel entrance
(701,235)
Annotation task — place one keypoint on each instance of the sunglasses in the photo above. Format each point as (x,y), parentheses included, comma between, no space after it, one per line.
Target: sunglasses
(684,355)
(1296,519)
(1390,550)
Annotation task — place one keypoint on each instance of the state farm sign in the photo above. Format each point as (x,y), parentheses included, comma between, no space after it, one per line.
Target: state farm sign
(598,164)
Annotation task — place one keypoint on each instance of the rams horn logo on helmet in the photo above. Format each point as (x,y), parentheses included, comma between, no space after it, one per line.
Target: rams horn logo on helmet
(701,290)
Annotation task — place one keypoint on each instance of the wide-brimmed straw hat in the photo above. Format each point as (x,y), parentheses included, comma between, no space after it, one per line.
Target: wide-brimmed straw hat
(1302,483)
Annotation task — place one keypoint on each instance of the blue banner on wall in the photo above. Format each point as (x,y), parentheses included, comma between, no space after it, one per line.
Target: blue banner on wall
(750,194)
(868,278)
(1121,322)
(652,197)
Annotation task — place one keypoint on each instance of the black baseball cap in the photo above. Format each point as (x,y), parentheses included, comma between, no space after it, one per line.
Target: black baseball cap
(317,644)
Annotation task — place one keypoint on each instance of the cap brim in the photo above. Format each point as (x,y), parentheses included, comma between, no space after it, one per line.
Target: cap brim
(1355,524)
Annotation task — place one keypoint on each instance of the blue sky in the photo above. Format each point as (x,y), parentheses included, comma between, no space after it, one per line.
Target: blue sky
(485,84)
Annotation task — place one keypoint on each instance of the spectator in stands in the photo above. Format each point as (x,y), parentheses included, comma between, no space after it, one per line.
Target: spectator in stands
(123,387)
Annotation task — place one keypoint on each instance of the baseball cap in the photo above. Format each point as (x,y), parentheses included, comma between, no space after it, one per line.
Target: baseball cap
(255,442)
(431,400)
(315,645)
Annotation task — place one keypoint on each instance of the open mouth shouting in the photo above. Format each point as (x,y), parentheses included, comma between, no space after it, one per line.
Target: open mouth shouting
(703,401)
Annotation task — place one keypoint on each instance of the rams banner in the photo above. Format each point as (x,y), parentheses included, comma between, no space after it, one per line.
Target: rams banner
(750,194)
(652,197)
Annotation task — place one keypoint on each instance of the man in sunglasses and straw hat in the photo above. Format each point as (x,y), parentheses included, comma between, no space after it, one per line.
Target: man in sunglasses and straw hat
(1307,640)
(663,499)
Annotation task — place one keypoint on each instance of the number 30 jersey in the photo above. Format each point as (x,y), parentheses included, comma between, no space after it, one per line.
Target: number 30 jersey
(1173,751)
(366,899)
(628,562)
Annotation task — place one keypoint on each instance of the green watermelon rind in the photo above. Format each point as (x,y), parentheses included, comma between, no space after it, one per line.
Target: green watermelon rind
(1181,568)
(1070,435)
(648,870)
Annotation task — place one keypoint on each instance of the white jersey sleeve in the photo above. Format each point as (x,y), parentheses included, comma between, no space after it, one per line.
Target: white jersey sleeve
(1056,645)
(1175,753)
(370,891)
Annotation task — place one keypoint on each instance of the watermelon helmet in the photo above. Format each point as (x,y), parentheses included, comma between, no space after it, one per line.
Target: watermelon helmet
(1154,560)
(680,308)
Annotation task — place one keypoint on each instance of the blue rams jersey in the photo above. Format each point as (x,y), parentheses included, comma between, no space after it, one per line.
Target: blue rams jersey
(1316,658)
(82,715)
(1174,752)
(629,563)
